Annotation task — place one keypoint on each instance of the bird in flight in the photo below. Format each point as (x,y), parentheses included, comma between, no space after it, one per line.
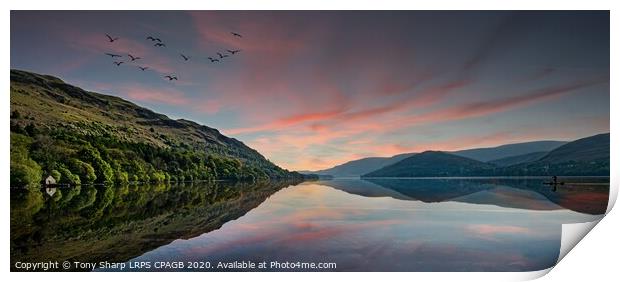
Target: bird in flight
(160,45)
(110,38)
(118,63)
(222,56)
(143,68)
(213,60)
(133,58)
(236,34)
(169,77)
(184,57)
(233,51)
(153,38)
(113,55)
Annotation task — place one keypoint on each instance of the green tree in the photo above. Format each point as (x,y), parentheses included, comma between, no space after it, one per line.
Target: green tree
(84,170)
(68,176)
(56,175)
(103,170)
(24,170)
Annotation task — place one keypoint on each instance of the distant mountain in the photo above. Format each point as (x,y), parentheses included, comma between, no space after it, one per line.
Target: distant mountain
(586,156)
(509,150)
(362,166)
(433,164)
(589,149)
(366,165)
(514,160)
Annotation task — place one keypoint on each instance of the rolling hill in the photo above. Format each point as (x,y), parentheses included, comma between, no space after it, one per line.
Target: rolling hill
(514,160)
(586,156)
(85,137)
(508,150)
(433,164)
(589,149)
(366,165)
(359,167)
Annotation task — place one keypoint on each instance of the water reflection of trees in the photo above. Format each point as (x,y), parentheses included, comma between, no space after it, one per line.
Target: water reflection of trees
(96,223)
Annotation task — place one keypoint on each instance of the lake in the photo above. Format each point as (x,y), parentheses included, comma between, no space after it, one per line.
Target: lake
(466,224)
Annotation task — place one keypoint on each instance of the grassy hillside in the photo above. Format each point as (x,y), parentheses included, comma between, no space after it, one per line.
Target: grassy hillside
(514,160)
(586,156)
(508,150)
(589,149)
(433,164)
(84,137)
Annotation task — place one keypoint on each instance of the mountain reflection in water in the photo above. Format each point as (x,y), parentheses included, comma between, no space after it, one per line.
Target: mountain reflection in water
(585,195)
(362,225)
(93,224)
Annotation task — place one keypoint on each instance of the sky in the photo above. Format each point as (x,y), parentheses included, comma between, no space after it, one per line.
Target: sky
(313,89)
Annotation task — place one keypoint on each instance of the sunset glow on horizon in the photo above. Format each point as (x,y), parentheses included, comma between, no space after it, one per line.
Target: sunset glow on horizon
(314,89)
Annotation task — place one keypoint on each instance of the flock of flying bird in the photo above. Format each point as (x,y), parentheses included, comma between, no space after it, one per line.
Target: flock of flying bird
(159,43)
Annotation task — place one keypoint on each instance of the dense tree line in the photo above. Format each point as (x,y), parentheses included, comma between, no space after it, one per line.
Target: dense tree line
(73,158)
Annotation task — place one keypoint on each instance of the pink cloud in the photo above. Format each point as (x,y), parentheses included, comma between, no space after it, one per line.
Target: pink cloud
(165,96)
(156,95)
(431,95)
(259,33)
(288,121)
(485,108)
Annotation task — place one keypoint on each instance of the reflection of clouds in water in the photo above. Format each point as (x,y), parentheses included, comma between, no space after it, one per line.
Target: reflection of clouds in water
(493,232)
(318,223)
(487,229)
(320,213)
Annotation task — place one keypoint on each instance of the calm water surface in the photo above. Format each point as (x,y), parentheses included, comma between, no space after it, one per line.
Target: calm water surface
(361,225)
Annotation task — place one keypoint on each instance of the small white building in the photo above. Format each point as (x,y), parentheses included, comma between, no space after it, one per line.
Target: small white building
(50,180)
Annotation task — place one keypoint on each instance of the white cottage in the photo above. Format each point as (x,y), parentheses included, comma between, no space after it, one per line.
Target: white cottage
(50,180)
